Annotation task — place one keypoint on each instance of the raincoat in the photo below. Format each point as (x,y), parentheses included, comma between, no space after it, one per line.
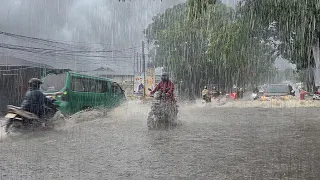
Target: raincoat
(205,92)
(163,85)
(34,102)
(303,94)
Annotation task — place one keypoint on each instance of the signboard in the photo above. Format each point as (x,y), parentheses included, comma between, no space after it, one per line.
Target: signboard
(138,85)
(150,79)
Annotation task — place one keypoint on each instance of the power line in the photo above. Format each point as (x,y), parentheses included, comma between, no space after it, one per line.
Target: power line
(66,53)
(52,41)
(28,48)
(44,52)
(8,70)
(21,36)
(58,42)
(66,59)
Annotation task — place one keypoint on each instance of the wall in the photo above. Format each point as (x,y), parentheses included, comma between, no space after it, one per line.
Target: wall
(14,84)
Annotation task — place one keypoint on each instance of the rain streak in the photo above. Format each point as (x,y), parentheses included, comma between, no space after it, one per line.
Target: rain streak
(159,89)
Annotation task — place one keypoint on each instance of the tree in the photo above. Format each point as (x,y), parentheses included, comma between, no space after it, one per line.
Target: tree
(297,24)
(198,7)
(213,48)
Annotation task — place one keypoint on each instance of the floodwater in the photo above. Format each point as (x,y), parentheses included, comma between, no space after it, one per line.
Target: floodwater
(213,142)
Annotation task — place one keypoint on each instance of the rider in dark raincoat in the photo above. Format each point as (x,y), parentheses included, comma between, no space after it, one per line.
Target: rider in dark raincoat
(35,100)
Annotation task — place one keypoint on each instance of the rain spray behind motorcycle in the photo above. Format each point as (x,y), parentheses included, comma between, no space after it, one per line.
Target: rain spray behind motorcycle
(163,112)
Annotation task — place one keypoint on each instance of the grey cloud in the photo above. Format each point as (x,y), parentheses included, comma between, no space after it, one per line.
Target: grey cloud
(110,23)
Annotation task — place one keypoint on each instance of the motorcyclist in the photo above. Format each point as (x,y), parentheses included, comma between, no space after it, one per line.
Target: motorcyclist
(241,91)
(292,92)
(35,100)
(163,85)
(215,92)
(205,92)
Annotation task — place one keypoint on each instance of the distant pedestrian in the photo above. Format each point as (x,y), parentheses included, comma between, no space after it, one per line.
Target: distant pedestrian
(303,94)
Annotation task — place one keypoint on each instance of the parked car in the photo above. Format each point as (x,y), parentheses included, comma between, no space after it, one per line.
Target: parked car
(316,95)
(275,91)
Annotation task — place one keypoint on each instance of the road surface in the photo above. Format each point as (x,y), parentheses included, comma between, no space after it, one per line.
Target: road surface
(211,143)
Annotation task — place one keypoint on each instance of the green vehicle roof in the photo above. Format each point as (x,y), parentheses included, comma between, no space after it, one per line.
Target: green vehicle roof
(89,76)
(76,74)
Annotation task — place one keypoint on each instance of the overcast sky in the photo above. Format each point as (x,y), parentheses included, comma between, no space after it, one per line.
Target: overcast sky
(108,24)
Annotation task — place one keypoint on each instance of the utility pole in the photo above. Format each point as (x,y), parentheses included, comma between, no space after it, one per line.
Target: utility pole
(144,69)
(134,63)
(140,68)
(137,57)
(134,72)
(149,61)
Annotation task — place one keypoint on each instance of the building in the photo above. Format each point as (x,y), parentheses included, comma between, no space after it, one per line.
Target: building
(117,76)
(14,76)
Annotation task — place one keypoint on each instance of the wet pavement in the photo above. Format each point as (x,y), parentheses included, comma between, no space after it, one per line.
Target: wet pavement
(211,143)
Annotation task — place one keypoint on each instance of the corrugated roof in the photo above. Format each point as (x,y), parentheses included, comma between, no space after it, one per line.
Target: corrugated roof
(13,61)
(104,69)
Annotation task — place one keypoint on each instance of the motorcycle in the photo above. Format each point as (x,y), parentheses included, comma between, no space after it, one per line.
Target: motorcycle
(163,113)
(206,98)
(316,96)
(254,96)
(23,120)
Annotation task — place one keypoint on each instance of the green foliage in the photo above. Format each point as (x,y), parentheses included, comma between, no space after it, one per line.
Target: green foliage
(296,24)
(295,21)
(213,48)
(198,7)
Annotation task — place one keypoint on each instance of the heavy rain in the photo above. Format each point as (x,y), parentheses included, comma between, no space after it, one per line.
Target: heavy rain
(159,89)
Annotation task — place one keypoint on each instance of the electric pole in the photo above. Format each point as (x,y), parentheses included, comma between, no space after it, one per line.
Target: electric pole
(144,69)
(137,57)
(140,68)
(134,63)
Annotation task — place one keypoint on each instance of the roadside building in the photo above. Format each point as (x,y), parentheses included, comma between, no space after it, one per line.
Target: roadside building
(14,76)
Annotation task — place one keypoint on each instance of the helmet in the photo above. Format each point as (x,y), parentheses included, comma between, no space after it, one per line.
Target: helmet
(34,83)
(165,77)
(205,87)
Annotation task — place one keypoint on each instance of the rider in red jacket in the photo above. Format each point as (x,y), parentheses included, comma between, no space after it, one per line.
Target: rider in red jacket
(163,85)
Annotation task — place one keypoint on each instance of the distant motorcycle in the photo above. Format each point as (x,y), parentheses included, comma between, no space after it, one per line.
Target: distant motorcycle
(316,96)
(254,96)
(163,112)
(20,119)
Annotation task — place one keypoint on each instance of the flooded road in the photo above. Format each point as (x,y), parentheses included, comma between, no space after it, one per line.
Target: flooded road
(212,143)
